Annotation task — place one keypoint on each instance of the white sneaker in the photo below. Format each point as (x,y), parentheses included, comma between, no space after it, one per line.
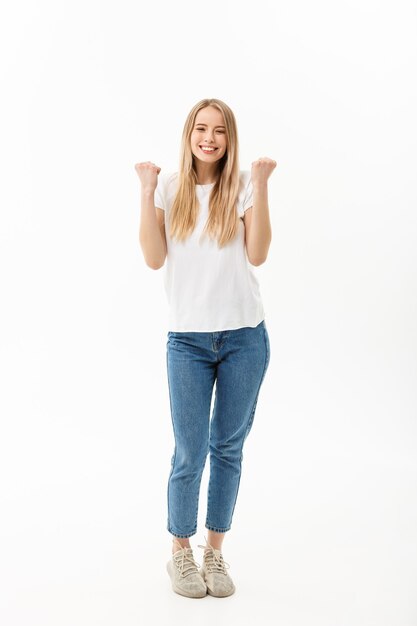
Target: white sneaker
(214,573)
(185,577)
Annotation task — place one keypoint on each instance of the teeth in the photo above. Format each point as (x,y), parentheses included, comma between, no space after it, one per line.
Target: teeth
(208,149)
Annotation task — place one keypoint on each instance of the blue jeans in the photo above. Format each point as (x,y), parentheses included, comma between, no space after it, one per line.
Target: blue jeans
(237,360)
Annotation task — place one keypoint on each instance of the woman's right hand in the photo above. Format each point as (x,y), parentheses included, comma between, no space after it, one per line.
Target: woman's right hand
(148,174)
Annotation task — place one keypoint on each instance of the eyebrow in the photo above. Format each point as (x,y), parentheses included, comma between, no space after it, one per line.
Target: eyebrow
(202,124)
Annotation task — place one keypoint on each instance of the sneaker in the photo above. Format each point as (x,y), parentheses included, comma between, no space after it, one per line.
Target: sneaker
(185,577)
(213,571)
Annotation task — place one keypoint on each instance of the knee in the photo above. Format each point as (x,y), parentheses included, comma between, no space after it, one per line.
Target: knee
(189,463)
(226,452)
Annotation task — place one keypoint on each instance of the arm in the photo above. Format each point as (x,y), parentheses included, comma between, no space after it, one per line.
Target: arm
(152,232)
(258,232)
(152,229)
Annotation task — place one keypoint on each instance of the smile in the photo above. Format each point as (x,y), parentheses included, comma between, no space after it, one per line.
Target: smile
(207,149)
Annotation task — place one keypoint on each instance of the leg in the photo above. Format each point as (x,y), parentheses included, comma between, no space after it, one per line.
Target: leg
(178,543)
(244,359)
(191,376)
(215,539)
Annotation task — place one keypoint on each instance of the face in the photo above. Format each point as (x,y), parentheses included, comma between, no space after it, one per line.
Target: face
(209,130)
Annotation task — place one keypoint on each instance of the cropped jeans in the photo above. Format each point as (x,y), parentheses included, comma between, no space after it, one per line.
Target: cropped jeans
(237,360)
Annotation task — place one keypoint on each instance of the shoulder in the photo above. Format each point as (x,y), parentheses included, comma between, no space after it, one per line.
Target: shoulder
(245,183)
(245,192)
(245,177)
(165,189)
(166,179)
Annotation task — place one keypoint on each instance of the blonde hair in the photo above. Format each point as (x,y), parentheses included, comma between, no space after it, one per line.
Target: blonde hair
(223,217)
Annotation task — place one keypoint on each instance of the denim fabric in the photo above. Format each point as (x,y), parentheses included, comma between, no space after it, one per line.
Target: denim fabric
(237,361)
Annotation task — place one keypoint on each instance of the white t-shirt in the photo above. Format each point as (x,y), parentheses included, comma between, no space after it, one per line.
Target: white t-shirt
(208,288)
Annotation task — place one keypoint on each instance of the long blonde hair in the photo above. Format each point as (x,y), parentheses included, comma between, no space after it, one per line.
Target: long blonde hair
(223,219)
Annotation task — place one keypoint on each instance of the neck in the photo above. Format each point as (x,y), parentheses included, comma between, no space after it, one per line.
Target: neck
(206,173)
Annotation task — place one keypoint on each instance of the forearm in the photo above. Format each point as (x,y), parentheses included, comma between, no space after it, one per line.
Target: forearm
(150,237)
(260,234)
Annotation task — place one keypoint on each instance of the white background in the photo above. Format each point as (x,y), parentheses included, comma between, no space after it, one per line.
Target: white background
(325,528)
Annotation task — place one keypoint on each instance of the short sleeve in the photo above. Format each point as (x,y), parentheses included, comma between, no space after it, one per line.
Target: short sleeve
(248,197)
(159,196)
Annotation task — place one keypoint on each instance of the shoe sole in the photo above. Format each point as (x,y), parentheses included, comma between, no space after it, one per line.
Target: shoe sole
(220,595)
(181,592)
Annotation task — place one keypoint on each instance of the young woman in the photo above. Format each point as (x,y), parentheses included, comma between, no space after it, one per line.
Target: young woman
(210,221)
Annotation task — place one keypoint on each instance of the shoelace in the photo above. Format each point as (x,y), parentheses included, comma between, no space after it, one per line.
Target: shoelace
(185,562)
(214,562)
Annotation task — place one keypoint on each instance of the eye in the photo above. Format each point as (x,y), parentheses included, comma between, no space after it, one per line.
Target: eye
(219,131)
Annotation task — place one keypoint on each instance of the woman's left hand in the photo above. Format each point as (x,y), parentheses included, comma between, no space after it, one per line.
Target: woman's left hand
(261,170)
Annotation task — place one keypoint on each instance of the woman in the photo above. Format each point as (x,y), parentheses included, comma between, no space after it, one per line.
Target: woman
(211,222)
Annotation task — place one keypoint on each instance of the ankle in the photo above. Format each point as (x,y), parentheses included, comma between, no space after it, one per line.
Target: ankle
(215,539)
(179,543)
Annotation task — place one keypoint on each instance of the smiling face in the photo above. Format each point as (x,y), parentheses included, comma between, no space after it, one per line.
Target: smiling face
(209,132)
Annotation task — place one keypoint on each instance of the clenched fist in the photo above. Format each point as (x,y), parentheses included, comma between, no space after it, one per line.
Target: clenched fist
(148,174)
(261,170)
